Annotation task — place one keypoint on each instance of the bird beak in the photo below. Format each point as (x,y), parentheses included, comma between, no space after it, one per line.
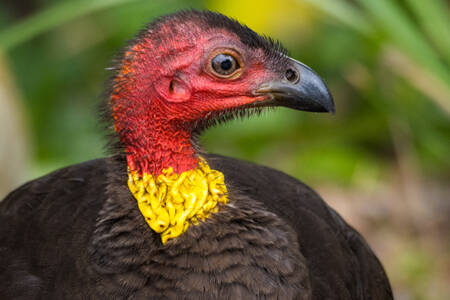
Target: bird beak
(300,88)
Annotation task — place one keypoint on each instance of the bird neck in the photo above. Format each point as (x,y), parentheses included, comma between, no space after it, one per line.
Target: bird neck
(174,187)
(157,146)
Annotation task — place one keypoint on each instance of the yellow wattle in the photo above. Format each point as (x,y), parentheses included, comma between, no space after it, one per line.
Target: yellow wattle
(171,202)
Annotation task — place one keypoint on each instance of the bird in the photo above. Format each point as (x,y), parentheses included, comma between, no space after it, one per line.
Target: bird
(160,218)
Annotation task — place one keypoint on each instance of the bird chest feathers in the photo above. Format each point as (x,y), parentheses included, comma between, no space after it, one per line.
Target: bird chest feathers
(241,251)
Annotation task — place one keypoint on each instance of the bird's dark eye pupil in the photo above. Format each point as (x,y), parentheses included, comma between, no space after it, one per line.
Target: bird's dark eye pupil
(224,64)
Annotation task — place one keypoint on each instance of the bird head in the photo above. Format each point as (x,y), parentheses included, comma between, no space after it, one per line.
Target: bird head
(192,69)
(181,74)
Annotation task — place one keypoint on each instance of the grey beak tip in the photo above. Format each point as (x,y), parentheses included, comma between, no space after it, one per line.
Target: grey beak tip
(330,107)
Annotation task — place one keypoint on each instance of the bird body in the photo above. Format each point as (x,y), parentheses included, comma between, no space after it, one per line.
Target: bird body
(163,220)
(274,241)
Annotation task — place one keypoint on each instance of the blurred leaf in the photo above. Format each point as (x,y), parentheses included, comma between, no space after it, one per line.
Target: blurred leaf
(435,20)
(430,75)
(345,13)
(420,78)
(344,164)
(402,32)
(52,17)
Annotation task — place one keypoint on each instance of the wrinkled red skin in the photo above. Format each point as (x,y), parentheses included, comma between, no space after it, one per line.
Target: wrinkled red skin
(154,121)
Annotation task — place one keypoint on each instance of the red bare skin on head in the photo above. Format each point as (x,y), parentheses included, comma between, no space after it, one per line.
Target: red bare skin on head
(163,88)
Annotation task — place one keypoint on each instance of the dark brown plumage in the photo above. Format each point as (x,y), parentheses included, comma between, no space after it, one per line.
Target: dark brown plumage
(77,233)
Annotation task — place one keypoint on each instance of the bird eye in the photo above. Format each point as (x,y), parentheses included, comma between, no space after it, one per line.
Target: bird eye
(224,65)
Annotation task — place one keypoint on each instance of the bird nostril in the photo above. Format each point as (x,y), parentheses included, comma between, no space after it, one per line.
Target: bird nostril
(291,75)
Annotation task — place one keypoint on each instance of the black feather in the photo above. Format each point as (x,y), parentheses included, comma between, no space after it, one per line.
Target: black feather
(77,234)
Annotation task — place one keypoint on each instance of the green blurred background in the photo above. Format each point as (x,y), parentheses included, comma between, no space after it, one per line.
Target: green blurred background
(383,161)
